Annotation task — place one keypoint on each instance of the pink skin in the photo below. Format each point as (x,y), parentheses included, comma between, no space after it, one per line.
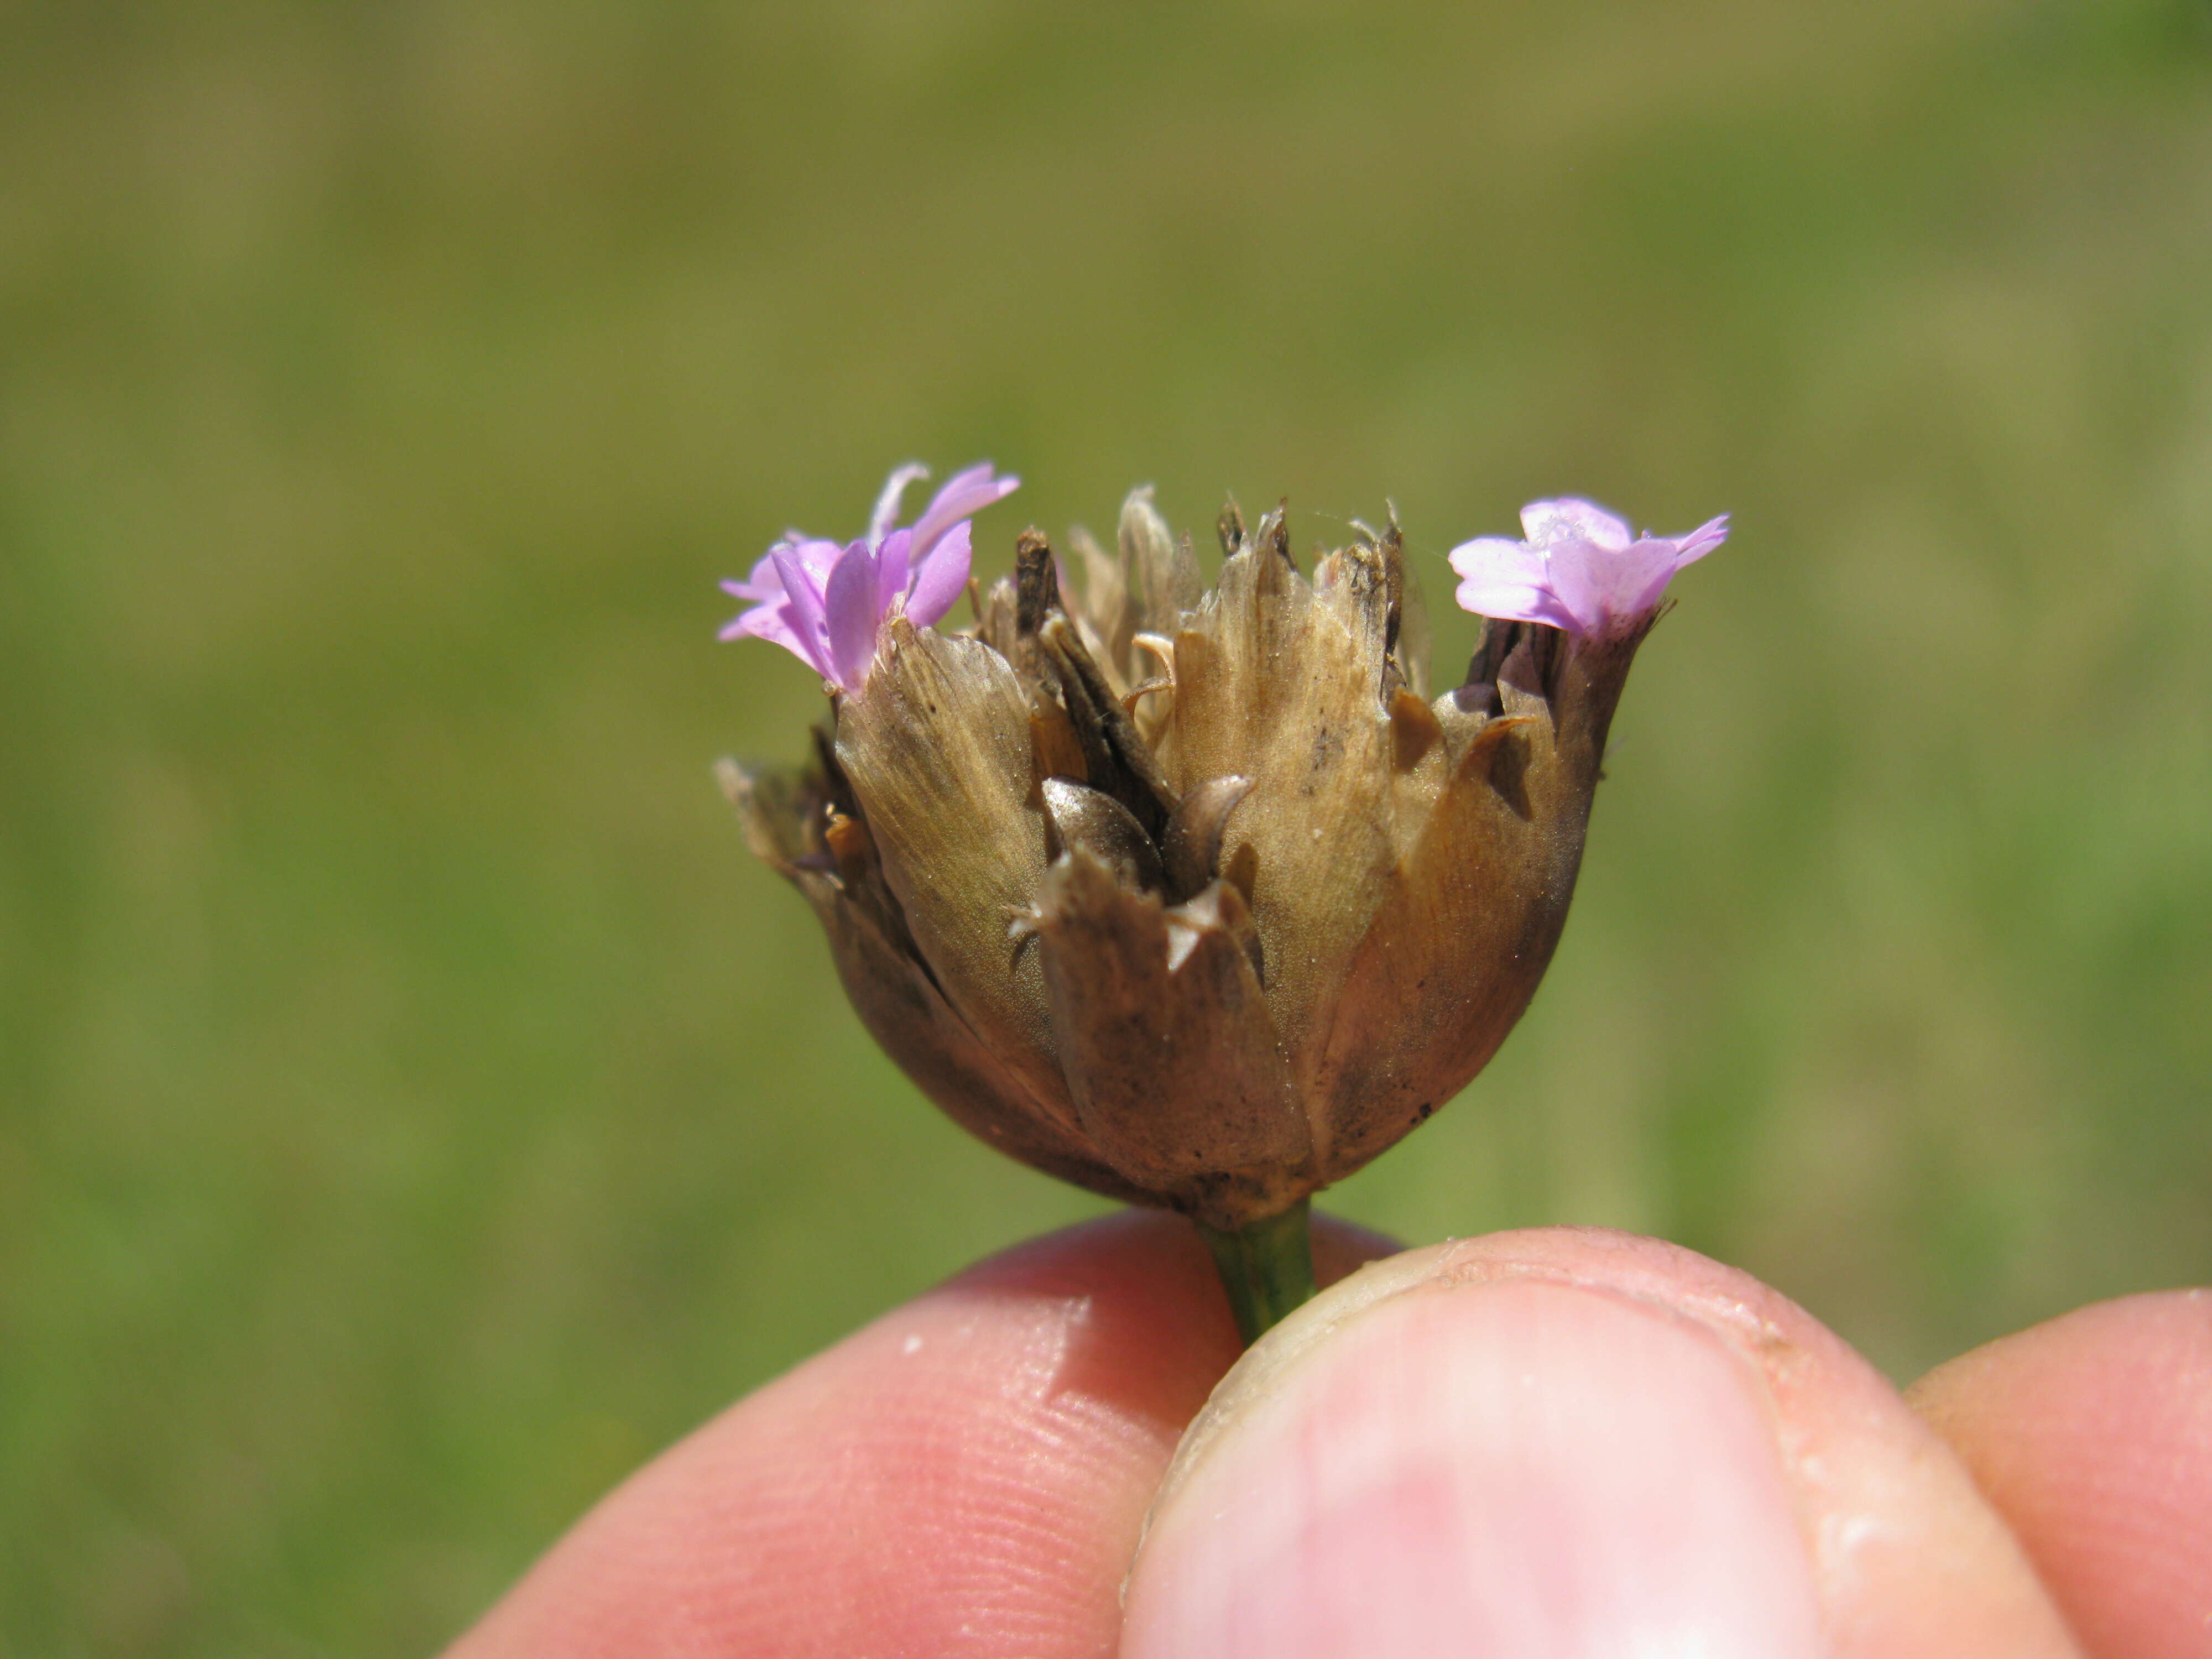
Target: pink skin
(1565,1441)
(1580,569)
(2093,1434)
(825,603)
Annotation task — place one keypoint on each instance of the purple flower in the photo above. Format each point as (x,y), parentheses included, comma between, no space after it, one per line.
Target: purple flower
(823,603)
(1579,570)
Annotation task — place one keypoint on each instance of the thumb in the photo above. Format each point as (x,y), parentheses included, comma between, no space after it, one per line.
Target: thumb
(1569,1443)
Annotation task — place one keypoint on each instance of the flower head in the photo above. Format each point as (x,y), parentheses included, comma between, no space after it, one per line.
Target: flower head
(826,603)
(1579,571)
(1197,896)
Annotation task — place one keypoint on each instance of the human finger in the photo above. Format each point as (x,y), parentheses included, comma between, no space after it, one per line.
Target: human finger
(2092,1435)
(967,1474)
(1571,1442)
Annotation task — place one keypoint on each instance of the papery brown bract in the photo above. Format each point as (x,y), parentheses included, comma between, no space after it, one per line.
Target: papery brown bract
(1190,896)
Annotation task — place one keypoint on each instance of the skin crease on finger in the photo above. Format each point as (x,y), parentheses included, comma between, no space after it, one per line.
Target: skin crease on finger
(1906,1558)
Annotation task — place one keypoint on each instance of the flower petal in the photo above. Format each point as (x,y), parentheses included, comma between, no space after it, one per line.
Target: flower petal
(772,622)
(1596,584)
(1666,556)
(964,493)
(887,504)
(850,614)
(762,584)
(1508,580)
(810,636)
(1570,517)
(816,554)
(1579,570)
(892,571)
(942,577)
(1651,577)
(1514,602)
(771,617)
(1701,541)
(1495,559)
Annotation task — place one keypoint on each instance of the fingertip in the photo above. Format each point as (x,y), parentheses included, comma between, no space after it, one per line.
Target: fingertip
(2092,1435)
(1342,1247)
(1570,1441)
(1460,1470)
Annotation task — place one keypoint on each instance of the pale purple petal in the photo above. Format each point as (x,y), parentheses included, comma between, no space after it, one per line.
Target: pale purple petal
(769,618)
(1495,560)
(750,593)
(887,504)
(1668,556)
(964,493)
(825,603)
(942,577)
(1578,570)
(1595,584)
(762,585)
(801,586)
(1514,602)
(816,555)
(850,611)
(808,630)
(1652,574)
(1547,524)
(1701,541)
(892,569)
(1505,578)
(773,622)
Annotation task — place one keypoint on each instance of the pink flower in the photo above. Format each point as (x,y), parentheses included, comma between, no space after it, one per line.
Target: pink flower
(825,604)
(1579,570)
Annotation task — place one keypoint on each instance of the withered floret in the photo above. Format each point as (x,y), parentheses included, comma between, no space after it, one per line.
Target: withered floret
(1195,898)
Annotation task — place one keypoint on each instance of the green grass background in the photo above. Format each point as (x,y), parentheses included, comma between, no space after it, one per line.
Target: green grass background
(414,1106)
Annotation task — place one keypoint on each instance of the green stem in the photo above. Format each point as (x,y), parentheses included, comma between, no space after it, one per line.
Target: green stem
(1266,1268)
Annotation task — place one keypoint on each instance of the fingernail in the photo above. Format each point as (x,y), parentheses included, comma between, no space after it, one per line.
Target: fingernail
(1520,1468)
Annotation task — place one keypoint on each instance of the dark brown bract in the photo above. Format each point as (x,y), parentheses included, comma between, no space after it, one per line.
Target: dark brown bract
(1193,897)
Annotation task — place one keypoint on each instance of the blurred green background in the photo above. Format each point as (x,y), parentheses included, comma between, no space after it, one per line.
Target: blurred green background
(414,1106)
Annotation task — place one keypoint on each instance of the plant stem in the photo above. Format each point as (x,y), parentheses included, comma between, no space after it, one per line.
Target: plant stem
(1266,1268)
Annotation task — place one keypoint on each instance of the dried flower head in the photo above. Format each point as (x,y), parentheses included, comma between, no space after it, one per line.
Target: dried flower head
(1194,896)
